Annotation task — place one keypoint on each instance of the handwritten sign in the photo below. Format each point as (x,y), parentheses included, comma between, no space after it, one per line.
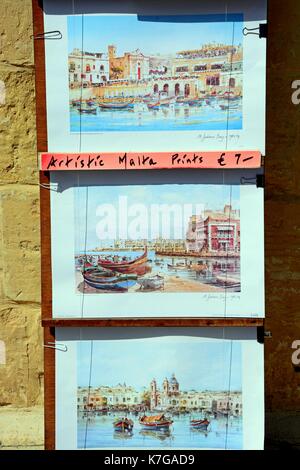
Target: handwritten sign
(149,160)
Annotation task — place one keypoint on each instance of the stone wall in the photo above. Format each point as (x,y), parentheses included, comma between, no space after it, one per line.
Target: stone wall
(21,376)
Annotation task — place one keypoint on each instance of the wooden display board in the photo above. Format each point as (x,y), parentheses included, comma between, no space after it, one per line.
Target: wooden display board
(48,322)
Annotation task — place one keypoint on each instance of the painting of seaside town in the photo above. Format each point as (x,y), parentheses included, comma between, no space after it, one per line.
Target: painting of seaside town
(131,75)
(157,238)
(177,393)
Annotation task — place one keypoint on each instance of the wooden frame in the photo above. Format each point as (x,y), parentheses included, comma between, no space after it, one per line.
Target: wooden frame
(48,322)
(46,274)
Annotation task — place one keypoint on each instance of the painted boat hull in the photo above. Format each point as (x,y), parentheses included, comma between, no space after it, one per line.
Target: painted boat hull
(123,426)
(156,427)
(87,111)
(200,424)
(124,267)
(118,285)
(116,106)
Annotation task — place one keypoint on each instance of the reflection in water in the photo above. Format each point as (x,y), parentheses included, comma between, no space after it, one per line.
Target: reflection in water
(160,434)
(213,115)
(121,436)
(98,432)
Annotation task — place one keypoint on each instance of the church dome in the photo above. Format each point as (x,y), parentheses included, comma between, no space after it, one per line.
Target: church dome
(173,380)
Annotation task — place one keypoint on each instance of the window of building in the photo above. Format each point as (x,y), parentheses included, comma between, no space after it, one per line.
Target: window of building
(216,66)
(101,68)
(182,69)
(200,68)
(214,80)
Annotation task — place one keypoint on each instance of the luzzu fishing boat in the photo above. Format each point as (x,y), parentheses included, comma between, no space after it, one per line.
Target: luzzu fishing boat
(88,110)
(123,425)
(152,283)
(116,105)
(200,424)
(107,280)
(161,103)
(125,267)
(76,103)
(158,422)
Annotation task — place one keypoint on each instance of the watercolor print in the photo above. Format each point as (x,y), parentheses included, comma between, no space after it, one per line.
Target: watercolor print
(157,238)
(131,75)
(177,394)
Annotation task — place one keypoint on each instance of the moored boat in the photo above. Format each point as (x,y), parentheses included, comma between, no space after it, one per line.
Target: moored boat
(152,283)
(124,266)
(123,425)
(116,105)
(89,110)
(157,422)
(76,102)
(178,266)
(227,281)
(104,281)
(200,424)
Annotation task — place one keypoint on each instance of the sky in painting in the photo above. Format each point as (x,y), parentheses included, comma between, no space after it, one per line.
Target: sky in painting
(198,364)
(93,33)
(106,213)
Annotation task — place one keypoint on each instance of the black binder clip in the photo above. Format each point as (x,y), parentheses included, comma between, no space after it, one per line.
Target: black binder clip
(261,31)
(259,180)
(48,35)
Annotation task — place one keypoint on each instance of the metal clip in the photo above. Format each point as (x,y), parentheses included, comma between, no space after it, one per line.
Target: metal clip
(259,180)
(50,186)
(58,346)
(48,35)
(261,31)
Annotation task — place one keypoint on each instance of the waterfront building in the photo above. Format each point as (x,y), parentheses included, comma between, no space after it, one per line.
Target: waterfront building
(117,396)
(231,404)
(214,231)
(170,397)
(216,65)
(131,66)
(87,68)
(165,398)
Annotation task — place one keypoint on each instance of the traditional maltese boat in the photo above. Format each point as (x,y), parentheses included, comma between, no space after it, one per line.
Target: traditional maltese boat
(123,425)
(107,280)
(152,283)
(88,110)
(76,102)
(115,105)
(158,422)
(200,424)
(124,266)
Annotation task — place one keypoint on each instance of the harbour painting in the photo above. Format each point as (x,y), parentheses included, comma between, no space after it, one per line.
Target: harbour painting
(157,238)
(178,392)
(180,73)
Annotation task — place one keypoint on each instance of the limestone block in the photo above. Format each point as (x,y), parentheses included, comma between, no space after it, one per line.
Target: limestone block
(16,31)
(20,255)
(18,161)
(21,428)
(21,377)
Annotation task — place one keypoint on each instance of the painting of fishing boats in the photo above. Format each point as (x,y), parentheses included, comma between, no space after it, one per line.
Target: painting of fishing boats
(146,404)
(157,422)
(200,254)
(161,78)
